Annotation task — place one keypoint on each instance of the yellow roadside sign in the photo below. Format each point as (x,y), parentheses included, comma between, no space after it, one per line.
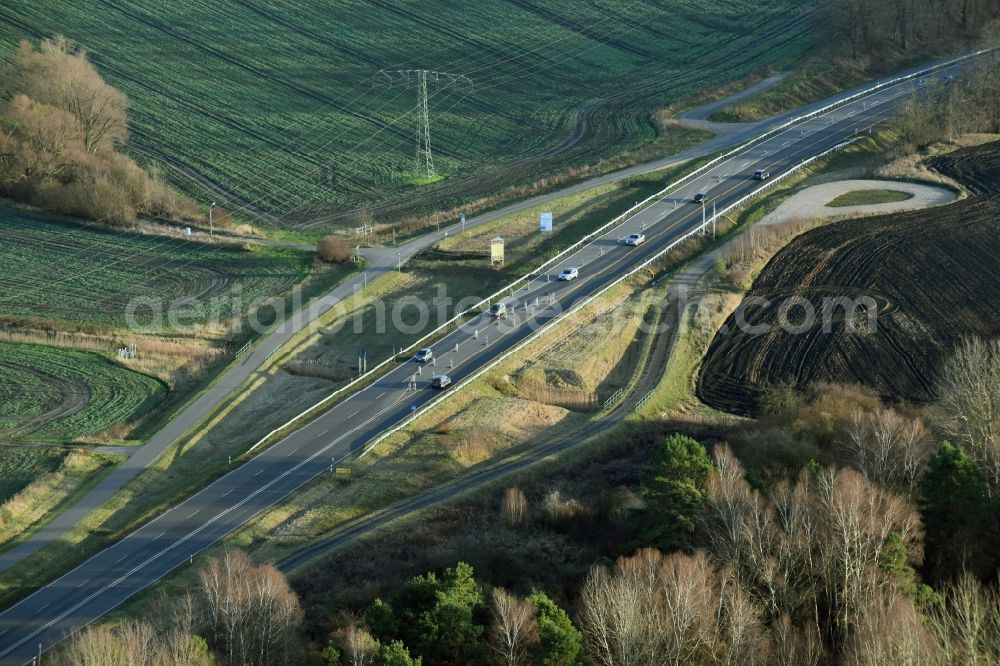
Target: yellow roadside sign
(496,250)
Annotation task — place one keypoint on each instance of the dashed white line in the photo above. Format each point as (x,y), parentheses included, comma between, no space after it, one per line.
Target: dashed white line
(120,559)
(84,583)
(229,491)
(194,513)
(51,623)
(260,472)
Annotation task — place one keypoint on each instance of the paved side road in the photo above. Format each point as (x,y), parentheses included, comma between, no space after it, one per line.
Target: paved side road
(173,538)
(699,117)
(811,203)
(379,260)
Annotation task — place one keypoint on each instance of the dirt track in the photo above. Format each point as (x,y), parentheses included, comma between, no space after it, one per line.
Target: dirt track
(934,276)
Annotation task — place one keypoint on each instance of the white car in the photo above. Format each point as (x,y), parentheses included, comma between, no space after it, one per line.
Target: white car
(569,274)
(424,356)
(635,239)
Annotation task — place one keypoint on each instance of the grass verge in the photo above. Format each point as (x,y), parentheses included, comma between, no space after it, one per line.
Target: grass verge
(868,198)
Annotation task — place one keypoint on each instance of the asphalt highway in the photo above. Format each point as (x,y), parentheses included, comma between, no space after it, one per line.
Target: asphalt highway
(170,541)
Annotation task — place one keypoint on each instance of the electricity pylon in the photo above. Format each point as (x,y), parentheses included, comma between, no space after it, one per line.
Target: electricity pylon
(425,158)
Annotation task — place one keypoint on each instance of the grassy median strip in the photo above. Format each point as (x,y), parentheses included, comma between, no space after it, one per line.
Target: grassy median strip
(868,198)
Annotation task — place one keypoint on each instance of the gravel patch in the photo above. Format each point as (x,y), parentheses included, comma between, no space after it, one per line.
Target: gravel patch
(812,202)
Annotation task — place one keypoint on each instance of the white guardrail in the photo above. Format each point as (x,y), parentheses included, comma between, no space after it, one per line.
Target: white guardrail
(639,207)
(586,301)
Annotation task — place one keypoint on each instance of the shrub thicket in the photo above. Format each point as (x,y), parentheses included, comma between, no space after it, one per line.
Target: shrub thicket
(60,124)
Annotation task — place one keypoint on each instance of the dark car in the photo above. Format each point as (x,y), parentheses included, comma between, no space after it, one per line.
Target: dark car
(698,198)
(762,174)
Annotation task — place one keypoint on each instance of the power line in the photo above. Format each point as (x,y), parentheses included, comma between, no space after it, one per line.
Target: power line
(424,164)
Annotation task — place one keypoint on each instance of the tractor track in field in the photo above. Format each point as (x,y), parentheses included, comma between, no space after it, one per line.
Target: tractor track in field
(122,75)
(158,26)
(579,29)
(355,53)
(75,396)
(580,131)
(313,215)
(933,275)
(191,173)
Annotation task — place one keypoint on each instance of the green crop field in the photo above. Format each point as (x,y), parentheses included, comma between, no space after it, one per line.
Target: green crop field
(47,272)
(58,395)
(283,105)
(19,466)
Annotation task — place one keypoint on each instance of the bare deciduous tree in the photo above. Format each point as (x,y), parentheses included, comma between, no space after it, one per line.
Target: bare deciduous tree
(514,626)
(867,30)
(94,646)
(815,549)
(62,77)
(252,612)
(887,447)
(796,646)
(860,518)
(333,249)
(133,643)
(360,648)
(59,126)
(967,623)
(515,505)
(890,631)
(745,640)
(968,405)
(658,609)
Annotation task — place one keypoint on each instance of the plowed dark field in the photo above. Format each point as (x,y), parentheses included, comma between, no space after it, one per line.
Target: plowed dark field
(934,275)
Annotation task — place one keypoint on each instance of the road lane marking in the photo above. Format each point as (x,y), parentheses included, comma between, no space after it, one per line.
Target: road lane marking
(192,515)
(229,491)
(191,535)
(262,470)
(84,583)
